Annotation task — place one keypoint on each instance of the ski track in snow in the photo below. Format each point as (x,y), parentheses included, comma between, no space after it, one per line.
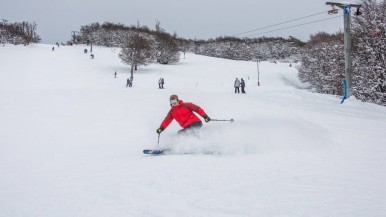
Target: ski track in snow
(72,138)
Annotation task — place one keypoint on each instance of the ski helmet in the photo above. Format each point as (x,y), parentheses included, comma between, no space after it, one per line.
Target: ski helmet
(174,96)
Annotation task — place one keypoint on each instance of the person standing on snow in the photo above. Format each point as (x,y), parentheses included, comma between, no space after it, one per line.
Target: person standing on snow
(161,83)
(237,85)
(242,83)
(129,82)
(183,114)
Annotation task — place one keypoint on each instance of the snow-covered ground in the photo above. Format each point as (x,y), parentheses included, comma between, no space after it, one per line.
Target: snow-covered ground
(72,135)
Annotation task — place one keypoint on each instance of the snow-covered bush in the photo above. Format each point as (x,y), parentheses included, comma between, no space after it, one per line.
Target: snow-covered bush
(250,49)
(369,36)
(322,63)
(166,48)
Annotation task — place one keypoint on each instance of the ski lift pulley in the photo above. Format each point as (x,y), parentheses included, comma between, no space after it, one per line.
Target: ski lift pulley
(333,11)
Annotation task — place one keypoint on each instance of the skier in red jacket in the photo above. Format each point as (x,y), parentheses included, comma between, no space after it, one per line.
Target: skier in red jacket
(183,114)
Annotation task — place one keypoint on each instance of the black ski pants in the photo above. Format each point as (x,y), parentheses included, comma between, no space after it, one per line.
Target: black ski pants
(194,127)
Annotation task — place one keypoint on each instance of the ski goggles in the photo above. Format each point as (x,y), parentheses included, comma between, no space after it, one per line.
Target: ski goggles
(173,101)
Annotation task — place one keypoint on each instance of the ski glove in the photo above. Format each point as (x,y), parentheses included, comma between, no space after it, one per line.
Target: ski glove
(207,118)
(159,130)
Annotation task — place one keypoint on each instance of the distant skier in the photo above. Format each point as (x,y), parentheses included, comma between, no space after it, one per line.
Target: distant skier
(92,56)
(183,114)
(242,84)
(53,48)
(237,85)
(115,74)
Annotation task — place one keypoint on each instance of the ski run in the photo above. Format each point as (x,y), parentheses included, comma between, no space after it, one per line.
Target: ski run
(72,138)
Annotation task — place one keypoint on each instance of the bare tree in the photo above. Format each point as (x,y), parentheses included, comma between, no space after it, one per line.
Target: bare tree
(18,33)
(167,49)
(136,51)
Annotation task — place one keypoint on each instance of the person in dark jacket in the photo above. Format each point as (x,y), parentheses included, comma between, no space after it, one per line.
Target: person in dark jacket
(242,84)
(129,82)
(182,112)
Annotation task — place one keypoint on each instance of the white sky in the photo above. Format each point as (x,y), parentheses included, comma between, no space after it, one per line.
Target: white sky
(201,19)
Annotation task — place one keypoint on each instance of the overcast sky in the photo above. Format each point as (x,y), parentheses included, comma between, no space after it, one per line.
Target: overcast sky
(200,19)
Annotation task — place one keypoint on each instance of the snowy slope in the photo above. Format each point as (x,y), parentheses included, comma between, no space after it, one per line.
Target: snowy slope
(71,141)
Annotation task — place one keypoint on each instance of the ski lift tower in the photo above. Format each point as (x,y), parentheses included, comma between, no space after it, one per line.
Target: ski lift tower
(347,82)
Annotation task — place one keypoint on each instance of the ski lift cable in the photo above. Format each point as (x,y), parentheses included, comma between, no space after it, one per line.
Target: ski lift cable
(316,21)
(280,23)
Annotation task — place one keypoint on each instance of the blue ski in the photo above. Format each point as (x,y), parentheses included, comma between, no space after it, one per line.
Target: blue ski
(154,151)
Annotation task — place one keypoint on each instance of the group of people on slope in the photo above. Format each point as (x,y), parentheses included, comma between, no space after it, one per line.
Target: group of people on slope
(129,82)
(238,84)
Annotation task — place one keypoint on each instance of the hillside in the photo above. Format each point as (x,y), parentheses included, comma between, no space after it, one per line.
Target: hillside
(72,137)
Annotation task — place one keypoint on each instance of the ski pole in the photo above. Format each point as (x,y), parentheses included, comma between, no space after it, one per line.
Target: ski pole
(159,134)
(231,120)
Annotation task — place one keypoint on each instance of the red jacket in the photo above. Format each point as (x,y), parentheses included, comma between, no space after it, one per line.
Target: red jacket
(183,114)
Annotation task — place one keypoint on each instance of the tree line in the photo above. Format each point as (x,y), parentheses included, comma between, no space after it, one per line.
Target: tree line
(265,48)
(139,44)
(18,33)
(164,47)
(322,59)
